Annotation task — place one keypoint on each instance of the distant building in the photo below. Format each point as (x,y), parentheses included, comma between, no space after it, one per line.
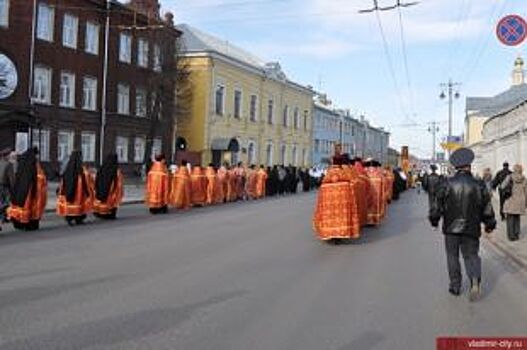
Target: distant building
(480,109)
(54,98)
(503,135)
(357,137)
(242,109)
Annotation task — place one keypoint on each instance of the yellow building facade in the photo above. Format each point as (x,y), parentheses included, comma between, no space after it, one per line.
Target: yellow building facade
(242,109)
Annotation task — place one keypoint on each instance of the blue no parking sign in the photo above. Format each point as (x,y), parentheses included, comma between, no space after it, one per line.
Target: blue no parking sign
(511,30)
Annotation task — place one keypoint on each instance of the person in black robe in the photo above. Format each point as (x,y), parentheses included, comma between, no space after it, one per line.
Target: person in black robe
(106,176)
(274,181)
(268,185)
(74,169)
(306,181)
(24,185)
(399,184)
(293,180)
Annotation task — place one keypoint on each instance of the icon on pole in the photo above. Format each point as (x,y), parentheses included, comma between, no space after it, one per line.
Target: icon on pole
(511,30)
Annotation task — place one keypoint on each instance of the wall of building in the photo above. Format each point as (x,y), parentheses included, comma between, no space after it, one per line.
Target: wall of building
(204,125)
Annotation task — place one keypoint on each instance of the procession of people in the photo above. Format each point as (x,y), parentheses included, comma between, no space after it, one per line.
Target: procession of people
(23,187)
(353,194)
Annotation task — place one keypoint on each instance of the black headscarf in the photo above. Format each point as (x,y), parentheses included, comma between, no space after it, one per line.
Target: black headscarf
(106,175)
(71,174)
(26,177)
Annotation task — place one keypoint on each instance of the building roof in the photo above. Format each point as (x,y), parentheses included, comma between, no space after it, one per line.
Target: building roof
(194,41)
(499,104)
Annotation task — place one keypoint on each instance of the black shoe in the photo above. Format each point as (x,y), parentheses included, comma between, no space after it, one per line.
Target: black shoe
(454,291)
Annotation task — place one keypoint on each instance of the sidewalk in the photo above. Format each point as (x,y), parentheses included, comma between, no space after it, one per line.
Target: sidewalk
(516,251)
(133,193)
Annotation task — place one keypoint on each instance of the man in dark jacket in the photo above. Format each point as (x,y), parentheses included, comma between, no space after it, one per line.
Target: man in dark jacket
(500,176)
(431,184)
(464,204)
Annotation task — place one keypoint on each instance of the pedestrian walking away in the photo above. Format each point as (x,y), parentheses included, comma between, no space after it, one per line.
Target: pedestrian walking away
(7,180)
(498,179)
(431,183)
(515,204)
(464,204)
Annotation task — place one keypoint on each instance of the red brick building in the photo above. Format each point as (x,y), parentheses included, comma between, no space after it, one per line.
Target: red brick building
(52,81)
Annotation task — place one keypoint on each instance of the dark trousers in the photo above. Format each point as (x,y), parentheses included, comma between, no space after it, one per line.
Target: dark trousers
(513,227)
(469,247)
(502,201)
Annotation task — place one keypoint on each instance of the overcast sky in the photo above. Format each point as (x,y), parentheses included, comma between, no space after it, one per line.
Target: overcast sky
(327,44)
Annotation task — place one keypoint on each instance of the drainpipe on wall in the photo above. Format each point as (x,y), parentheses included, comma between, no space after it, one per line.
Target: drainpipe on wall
(104,83)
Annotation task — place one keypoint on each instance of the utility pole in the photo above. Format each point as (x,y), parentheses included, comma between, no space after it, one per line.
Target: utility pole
(102,134)
(433,128)
(449,88)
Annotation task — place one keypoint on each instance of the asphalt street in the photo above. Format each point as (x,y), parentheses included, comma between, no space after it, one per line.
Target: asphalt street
(244,276)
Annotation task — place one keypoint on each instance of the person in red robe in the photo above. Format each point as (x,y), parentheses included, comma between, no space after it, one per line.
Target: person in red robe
(390,179)
(232,193)
(109,189)
(377,205)
(359,194)
(212,185)
(250,188)
(29,197)
(222,185)
(199,187)
(157,186)
(261,182)
(240,182)
(75,192)
(334,216)
(181,188)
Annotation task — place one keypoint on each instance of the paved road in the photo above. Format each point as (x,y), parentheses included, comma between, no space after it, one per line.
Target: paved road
(243,276)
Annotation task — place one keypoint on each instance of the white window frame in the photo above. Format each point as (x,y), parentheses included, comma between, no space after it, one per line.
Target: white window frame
(139,149)
(283,154)
(253,108)
(91,39)
(43,145)
(224,90)
(141,98)
(158,60)
(269,154)
(88,151)
(121,144)
(251,153)
(157,146)
(89,93)
(270,111)
(67,91)
(285,117)
(45,22)
(70,30)
(142,53)
(70,135)
(125,48)
(42,77)
(237,108)
(123,99)
(4,13)
(296,114)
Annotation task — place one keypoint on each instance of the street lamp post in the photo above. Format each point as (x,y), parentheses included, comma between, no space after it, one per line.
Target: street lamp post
(449,87)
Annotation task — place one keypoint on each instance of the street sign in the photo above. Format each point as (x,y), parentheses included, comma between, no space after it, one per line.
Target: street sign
(511,30)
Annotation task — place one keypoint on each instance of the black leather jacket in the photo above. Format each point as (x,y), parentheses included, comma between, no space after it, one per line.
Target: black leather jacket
(464,204)
(432,183)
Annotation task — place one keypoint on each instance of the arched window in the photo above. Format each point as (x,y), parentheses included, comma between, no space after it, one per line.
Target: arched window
(295,121)
(285,116)
(283,155)
(304,157)
(252,153)
(293,156)
(269,154)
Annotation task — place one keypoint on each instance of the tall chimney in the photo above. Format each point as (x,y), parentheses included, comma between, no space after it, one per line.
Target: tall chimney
(149,8)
